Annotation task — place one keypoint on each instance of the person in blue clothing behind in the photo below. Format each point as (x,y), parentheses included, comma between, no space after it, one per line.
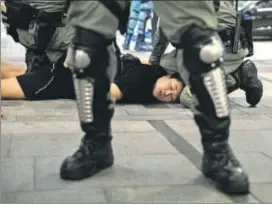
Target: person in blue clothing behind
(140,12)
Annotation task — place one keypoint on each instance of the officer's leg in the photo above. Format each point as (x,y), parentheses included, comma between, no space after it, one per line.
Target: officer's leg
(93,63)
(246,78)
(242,74)
(203,53)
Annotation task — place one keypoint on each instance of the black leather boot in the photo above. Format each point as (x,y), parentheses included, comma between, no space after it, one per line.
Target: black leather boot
(95,151)
(220,165)
(91,157)
(250,83)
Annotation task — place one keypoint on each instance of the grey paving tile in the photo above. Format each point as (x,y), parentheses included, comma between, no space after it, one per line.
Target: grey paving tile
(257,141)
(21,111)
(71,127)
(5,141)
(252,161)
(258,111)
(129,107)
(248,116)
(258,166)
(48,105)
(263,123)
(175,105)
(120,117)
(268,153)
(267,101)
(13,103)
(167,194)
(128,171)
(17,174)
(183,126)
(235,114)
(42,118)
(156,106)
(241,102)
(159,111)
(262,191)
(65,144)
(64,111)
(131,126)
(244,199)
(153,117)
(87,196)
(241,141)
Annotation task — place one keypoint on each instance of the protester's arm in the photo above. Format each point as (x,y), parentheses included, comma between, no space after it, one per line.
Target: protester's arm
(10,70)
(160,44)
(11,89)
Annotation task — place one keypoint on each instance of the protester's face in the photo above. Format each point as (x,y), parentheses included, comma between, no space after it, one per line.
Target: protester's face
(167,89)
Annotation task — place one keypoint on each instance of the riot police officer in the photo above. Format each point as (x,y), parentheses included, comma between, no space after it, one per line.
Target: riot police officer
(41,28)
(240,74)
(188,25)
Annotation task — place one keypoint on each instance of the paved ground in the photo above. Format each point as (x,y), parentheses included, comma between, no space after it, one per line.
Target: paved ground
(157,153)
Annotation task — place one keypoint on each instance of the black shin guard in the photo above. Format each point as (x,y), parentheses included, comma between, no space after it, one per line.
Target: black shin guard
(89,59)
(203,53)
(202,57)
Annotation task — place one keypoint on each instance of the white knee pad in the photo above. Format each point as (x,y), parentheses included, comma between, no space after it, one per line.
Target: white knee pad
(212,51)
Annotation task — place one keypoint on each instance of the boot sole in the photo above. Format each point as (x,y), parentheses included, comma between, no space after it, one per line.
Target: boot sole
(234,188)
(254,99)
(75,177)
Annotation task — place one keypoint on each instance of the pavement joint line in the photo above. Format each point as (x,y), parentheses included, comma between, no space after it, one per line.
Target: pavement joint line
(34,173)
(178,142)
(255,197)
(9,146)
(188,150)
(106,194)
(266,155)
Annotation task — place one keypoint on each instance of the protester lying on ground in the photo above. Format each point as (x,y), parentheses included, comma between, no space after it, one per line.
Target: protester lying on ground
(135,83)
